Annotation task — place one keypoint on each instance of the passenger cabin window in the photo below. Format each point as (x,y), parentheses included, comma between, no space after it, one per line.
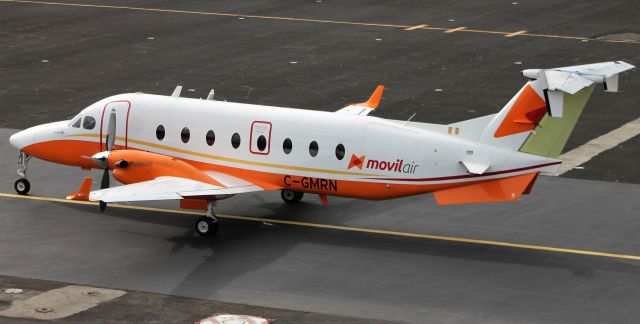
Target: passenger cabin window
(89,122)
(340,151)
(211,137)
(235,140)
(77,122)
(262,143)
(185,135)
(313,148)
(160,133)
(287,146)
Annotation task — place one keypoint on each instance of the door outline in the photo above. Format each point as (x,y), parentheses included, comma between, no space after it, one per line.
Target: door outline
(126,126)
(268,138)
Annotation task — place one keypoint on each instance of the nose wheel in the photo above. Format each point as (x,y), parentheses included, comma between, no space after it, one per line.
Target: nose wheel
(22,185)
(208,225)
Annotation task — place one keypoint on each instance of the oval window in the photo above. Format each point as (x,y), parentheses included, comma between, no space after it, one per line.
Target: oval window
(262,143)
(287,146)
(340,151)
(313,148)
(235,140)
(211,137)
(160,133)
(185,135)
(88,122)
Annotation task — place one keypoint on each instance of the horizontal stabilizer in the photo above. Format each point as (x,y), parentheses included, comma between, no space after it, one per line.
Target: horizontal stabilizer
(505,189)
(557,82)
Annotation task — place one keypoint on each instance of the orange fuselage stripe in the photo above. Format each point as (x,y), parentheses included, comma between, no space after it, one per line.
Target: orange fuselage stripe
(77,153)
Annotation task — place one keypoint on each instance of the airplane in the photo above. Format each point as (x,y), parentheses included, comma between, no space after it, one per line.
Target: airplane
(199,151)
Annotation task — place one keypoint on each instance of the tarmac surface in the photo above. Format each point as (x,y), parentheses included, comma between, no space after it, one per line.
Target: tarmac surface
(56,59)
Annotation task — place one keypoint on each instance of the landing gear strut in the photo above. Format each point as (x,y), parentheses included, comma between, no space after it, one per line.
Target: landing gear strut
(291,197)
(22,185)
(208,225)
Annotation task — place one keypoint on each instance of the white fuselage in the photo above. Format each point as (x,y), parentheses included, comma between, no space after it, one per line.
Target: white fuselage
(397,159)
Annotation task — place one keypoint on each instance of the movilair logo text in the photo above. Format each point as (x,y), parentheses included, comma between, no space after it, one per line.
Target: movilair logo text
(397,166)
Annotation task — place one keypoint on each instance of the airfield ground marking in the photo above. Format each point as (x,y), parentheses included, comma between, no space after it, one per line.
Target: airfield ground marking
(345,228)
(453,30)
(592,148)
(520,32)
(323,21)
(416,27)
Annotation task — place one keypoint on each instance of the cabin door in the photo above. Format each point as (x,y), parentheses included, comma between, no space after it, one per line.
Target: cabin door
(121,109)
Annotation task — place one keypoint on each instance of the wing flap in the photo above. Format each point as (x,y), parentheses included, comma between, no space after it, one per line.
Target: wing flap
(505,189)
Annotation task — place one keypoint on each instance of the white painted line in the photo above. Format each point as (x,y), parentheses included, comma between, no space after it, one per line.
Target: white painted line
(416,27)
(520,32)
(60,303)
(586,152)
(455,29)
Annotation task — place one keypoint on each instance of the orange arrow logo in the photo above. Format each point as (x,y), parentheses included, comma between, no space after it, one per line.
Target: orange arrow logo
(356,161)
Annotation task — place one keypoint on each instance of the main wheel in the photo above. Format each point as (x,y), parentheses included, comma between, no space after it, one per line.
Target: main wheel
(205,226)
(290,196)
(22,186)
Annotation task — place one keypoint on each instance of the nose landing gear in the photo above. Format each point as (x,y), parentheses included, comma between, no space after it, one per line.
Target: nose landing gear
(208,225)
(22,185)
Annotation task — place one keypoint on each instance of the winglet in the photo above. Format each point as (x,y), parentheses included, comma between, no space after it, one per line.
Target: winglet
(83,190)
(375,98)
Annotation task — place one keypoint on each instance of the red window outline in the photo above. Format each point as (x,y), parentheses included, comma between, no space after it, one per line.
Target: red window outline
(268,139)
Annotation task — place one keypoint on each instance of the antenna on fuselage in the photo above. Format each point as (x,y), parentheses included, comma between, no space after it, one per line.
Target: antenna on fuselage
(211,93)
(176,91)
(408,120)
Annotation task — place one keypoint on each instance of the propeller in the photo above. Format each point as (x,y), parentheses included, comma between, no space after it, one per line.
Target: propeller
(102,157)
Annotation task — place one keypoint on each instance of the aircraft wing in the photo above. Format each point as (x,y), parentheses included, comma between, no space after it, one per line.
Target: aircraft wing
(170,188)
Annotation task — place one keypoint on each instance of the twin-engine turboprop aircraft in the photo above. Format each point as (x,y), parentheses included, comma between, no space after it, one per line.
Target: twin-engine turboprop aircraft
(200,151)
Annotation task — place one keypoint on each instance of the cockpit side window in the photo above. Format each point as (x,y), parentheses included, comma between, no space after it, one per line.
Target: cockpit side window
(89,122)
(76,123)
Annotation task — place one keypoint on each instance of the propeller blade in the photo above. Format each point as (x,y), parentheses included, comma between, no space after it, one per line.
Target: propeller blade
(111,130)
(104,184)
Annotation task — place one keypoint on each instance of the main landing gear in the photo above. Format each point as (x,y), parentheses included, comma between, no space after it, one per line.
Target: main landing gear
(22,185)
(290,196)
(208,225)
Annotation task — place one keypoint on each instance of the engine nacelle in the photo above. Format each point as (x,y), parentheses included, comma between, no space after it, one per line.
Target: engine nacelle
(131,166)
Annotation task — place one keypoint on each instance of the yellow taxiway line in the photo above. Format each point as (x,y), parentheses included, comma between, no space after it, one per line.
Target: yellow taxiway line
(344,228)
(309,20)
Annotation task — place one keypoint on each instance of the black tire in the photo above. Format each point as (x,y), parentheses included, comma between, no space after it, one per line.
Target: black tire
(290,196)
(205,226)
(22,186)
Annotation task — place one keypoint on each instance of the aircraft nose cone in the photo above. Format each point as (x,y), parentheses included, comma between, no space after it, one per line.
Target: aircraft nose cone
(20,139)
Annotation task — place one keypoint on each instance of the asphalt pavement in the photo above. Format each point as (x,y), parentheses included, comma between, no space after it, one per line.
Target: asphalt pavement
(477,263)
